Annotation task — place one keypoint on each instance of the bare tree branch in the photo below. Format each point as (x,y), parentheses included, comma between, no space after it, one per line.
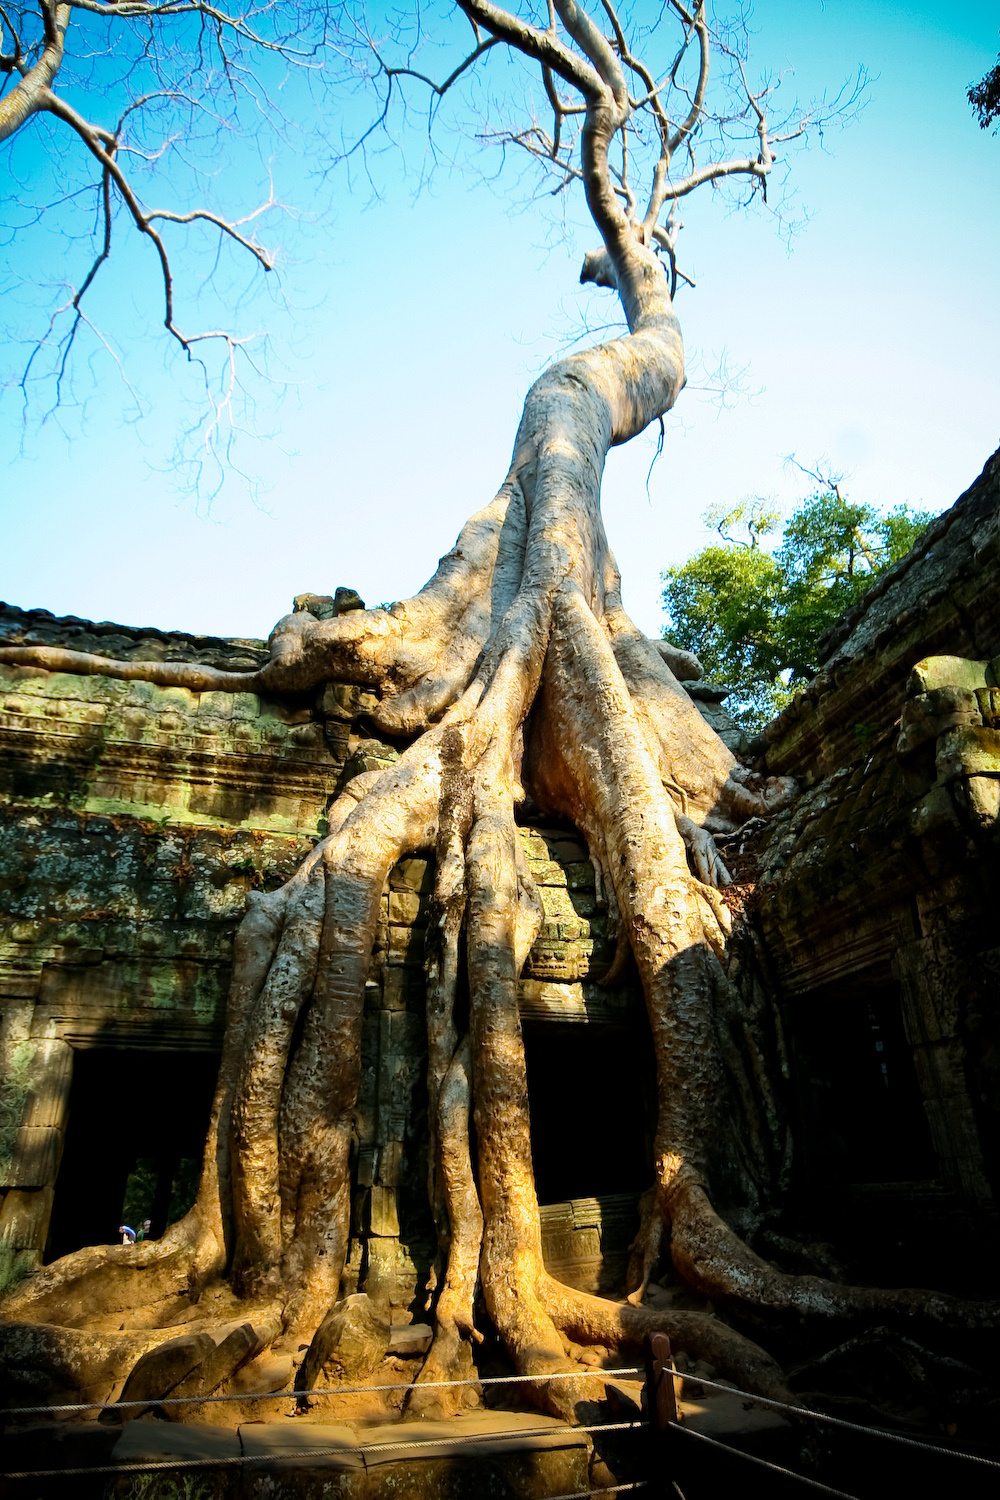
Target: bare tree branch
(632,121)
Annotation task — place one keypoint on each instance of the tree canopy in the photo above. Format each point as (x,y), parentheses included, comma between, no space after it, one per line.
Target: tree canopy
(755,617)
(984,97)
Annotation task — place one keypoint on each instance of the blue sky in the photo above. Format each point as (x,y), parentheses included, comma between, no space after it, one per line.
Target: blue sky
(870,343)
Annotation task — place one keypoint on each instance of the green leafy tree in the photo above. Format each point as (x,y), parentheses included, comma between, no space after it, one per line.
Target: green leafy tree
(755,617)
(984,97)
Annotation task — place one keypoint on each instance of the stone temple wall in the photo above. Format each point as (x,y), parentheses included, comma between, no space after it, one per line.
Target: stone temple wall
(133,822)
(879,890)
(135,819)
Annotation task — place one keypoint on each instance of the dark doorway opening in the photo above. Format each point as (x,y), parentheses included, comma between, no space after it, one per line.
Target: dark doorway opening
(861,1101)
(591,1097)
(134,1141)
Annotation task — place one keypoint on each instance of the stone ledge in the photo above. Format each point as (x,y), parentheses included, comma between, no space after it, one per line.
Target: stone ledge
(544,1000)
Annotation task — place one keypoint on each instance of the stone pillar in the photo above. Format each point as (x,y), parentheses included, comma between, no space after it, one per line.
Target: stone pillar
(29,1172)
(393,1068)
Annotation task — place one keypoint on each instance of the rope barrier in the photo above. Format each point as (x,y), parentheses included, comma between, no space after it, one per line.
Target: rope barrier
(305,1456)
(763,1463)
(610,1489)
(793,1412)
(351,1390)
(819,1416)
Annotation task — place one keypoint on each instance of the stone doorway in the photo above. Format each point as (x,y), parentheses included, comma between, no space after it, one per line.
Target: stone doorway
(134,1140)
(591,1095)
(864,1115)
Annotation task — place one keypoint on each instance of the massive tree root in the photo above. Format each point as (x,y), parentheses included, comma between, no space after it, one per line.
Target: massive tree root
(514,673)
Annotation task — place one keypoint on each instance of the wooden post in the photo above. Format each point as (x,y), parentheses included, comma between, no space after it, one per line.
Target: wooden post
(660,1374)
(661,1406)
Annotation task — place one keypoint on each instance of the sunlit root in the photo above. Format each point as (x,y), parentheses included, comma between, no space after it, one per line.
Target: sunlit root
(705,857)
(646,1248)
(450,1355)
(623,1327)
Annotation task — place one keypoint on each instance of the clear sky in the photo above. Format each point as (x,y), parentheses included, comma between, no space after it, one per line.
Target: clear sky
(872,343)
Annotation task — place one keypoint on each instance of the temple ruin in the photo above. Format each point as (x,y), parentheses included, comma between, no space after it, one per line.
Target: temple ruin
(137,818)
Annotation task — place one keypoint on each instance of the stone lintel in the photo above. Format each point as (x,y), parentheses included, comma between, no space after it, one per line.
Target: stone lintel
(543,1000)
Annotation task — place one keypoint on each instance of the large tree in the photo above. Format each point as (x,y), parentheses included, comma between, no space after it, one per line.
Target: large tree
(515,672)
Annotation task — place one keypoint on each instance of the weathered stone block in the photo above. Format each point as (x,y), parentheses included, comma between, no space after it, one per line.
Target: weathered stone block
(558,961)
(411,1338)
(567,851)
(947,671)
(940,1068)
(557,902)
(34,1162)
(970,751)
(338,700)
(164,1367)
(966,1175)
(58,1445)
(466,1438)
(268,1372)
(979,798)
(297,1440)
(152,1441)
(533,844)
(24,1218)
(20,974)
(351,1341)
(24,932)
(175,1000)
(927,715)
(539,999)
(245,705)
(381,1275)
(49,1079)
(988,700)
(406,944)
(412,875)
(384,1217)
(390,1164)
(302,1461)
(404,908)
(217,1366)
(933,812)
(308,736)
(395,989)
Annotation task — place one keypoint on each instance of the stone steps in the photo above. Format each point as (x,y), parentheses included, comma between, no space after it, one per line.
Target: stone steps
(489,1453)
